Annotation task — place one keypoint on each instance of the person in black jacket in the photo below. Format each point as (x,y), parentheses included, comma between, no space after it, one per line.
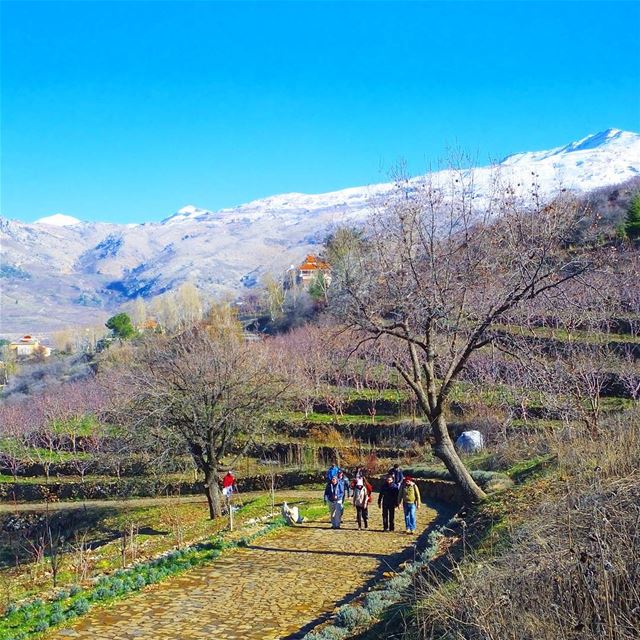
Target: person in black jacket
(388,500)
(397,474)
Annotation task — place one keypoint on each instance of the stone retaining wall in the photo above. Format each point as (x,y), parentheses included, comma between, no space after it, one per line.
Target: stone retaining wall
(139,487)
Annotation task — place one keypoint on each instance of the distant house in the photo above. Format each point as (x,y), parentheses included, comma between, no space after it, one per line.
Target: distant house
(311,267)
(150,325)
(29,346)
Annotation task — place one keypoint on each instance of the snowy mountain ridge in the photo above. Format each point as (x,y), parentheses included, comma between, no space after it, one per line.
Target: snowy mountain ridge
(60,271)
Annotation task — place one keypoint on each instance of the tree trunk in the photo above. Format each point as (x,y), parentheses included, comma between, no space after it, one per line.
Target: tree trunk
(212,492)
(445,450)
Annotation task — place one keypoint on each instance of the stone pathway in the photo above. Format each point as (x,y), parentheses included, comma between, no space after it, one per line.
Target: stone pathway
(275,589)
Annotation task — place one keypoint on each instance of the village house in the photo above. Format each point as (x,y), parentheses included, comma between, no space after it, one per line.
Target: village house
(29,346)
(310,268)
(149,326)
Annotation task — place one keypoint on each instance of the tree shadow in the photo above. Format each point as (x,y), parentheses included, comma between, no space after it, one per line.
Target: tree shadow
(388,563)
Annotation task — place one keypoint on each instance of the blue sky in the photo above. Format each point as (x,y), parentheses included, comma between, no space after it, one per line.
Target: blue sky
(126,111)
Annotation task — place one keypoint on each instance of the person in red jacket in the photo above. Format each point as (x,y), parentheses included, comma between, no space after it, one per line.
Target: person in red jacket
(228,484)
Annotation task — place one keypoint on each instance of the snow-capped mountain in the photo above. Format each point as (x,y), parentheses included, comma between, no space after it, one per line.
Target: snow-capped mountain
(60,271)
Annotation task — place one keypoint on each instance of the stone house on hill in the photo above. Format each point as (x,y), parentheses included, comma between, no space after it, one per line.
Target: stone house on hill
(29,346)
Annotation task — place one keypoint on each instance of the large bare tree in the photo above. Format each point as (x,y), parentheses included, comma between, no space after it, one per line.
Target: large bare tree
(202,391)
(438,269)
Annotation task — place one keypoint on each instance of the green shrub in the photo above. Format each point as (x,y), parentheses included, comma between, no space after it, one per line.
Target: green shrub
(41,626)
(377,601)
(101,593)
(328,633)
(56,618)
(80,606)
(399,583)
(352,616)
(117,585)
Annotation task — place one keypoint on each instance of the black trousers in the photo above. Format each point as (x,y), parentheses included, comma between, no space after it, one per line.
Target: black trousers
(388,517)
(362,515)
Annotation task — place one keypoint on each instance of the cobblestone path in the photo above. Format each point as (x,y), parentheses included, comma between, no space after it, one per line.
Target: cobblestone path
(276,588)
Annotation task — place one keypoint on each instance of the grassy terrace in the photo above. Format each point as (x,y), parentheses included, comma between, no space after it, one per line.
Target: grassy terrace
(299,417)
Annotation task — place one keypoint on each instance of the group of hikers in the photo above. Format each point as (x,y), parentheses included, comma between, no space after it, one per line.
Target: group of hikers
(396,490)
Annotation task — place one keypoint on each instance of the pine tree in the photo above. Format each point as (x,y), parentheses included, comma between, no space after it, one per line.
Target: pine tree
(121,326)
(632,223)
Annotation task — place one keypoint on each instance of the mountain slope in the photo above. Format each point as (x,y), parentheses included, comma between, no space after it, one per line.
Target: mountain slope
(61,271)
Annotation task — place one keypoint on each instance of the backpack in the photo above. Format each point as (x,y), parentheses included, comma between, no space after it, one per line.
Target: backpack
(360,496)
(410,494)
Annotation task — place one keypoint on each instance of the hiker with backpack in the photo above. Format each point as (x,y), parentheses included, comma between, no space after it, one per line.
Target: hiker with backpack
(334,497)
(361,498)
(409,498)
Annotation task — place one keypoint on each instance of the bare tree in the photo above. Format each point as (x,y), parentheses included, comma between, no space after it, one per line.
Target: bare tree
(439,268)
(14,430)
(189,304)
(205,393)
(274,295)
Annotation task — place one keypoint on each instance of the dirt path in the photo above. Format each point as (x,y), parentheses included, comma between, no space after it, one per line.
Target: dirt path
(274,589)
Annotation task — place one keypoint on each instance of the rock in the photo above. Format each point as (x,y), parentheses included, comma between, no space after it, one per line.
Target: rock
(470,442)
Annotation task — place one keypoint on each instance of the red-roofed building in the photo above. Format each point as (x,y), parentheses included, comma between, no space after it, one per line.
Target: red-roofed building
(311,267)
(29,346)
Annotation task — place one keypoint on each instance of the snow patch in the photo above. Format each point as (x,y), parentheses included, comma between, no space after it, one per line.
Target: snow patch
(58,220)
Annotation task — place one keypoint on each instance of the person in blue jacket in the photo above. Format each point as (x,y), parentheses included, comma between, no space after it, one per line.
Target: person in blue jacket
(334,497)
(333,471)
(342,477)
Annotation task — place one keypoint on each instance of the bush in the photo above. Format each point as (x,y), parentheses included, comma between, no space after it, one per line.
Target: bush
(56,618)
(101,593)
(377,601)
(80,606)
(328,633)
(117,586)
(400,583)
(41,626)
(352,616)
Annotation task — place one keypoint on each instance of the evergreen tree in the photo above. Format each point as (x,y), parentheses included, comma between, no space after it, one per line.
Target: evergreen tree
(121,326)
(632,223)
(318,287)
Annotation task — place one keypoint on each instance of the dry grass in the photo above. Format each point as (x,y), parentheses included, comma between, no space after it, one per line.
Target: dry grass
(570,568)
